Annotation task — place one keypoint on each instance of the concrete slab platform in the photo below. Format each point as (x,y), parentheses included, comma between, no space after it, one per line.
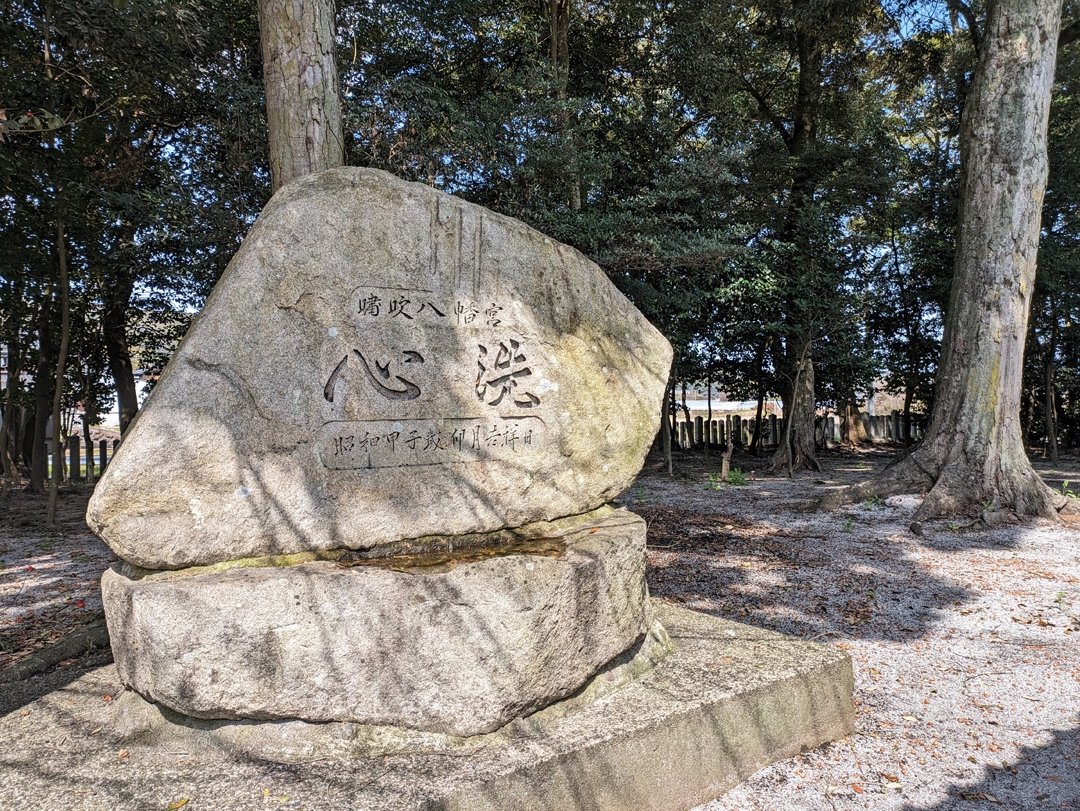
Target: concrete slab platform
(727,701)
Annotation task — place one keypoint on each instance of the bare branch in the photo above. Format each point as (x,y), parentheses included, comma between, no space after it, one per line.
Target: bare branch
(10,131)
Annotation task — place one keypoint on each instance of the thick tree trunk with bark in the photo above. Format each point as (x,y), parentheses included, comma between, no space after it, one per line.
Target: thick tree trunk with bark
(972,455)
(303,101)
(559,19)
(796,449)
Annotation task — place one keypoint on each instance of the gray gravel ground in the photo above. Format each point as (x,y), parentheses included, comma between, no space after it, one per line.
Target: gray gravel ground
(966,646)
(966,643)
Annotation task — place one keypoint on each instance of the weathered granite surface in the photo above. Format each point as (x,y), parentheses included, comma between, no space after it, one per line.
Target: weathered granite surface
(383,361)
(727,701)
(458,648)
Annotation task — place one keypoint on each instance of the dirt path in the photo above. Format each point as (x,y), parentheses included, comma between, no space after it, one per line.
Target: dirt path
(966,644)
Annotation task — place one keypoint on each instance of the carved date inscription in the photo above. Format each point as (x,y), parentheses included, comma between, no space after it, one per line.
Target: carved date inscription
(362,444)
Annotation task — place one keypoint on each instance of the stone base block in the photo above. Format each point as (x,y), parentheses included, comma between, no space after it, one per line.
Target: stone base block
(459,648)
(728,700)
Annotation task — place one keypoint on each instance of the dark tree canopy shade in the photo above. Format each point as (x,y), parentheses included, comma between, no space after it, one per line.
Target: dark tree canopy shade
(777,188)
(132,125)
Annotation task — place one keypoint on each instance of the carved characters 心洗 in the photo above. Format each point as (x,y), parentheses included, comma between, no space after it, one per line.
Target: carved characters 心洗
(501,362)
(494,383)
(331,384)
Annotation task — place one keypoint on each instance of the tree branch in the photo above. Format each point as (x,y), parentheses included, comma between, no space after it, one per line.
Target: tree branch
(766,110)
(970,20)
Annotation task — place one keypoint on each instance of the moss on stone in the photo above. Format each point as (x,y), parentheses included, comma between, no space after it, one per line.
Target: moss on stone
(539,537)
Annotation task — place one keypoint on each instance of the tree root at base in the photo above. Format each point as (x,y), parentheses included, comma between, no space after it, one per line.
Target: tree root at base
(1021,492)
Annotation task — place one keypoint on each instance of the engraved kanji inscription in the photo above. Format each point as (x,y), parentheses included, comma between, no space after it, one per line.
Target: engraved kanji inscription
(498,376)
(400,307)
(403,389)
(466,312)
(410,391)
(428,305)
(369,444)
(328,389)
(370,305)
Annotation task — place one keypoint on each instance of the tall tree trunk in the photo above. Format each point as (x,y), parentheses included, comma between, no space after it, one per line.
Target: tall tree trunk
(666,422)
(88,450)
(26,441)
(559,20)
(303,101)
(114,332)
(1049,411)
(796,450)
(61,359)
(689,422)
(759,364)
(39,461)
(755,441)
(8,436)
(972,453)
(708,418)
(854,430)
(909,396)
(673,411)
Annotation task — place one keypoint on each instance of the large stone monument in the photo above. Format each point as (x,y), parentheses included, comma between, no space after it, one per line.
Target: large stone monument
(373,485)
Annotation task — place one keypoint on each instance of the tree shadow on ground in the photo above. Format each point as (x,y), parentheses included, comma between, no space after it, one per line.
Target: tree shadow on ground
(816,575)
(49,575)
(18,694)
(789,580)
(1043,777)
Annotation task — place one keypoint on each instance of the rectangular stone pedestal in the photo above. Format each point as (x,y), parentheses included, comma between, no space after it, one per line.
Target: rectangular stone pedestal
(729,700)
